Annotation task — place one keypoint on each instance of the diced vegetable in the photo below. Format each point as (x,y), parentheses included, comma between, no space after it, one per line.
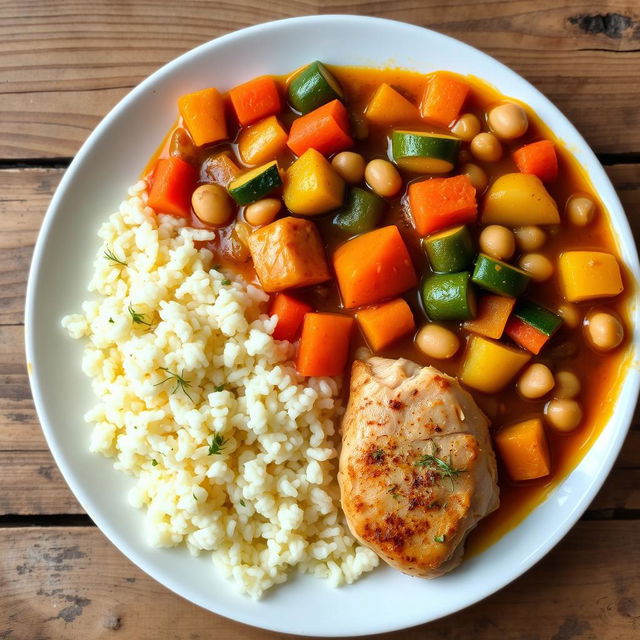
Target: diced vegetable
(384,324)
(312,87)
(519,199)
(262,141)
(538,159)
(172,183)
(499,277)
(388,107)
(493,313)
(312,186)
(361,212)
(372,267)
(288,253)
(443,98)
(449,296)
(324,345)
(442,202)
(449,251)
(256,184)
(291,313)
(524,450)
(326,129)
(255,99)
(203,115)
(220,169)
(532,326)
(424,152)
(489,366)
(525,335)
(585,275)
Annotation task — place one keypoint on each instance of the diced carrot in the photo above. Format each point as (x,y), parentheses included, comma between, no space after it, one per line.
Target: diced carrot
(437,203)
(525,335)
(221,169)
(262,141)
(384,324)
(524,450)
(290,312)
(539,159)
(388,107)
(324,345)
(255,99)
(373,266)
(324,129)
(443,98)
(492,316)
(172,184)
(203,115)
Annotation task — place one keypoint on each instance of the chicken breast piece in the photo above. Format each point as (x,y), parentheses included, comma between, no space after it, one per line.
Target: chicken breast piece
(417,470)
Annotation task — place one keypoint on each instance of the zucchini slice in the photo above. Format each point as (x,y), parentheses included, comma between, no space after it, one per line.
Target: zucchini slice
(313,87)
(424,152)
(361,213)
(449,251)
(449,296)
(255,184)
(499,277)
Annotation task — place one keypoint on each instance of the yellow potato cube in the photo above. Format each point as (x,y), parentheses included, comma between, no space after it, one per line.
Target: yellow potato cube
(585,275)
(262,141)
(312,186)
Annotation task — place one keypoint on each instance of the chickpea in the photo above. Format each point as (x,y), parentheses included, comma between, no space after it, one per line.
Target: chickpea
(567,385)
(563,415)
(497,242)
(476,175)
(350,166)
(486,147)
(437,342)
(212,204)
(539,267)
(466,127)
(536,381)
(530,238)
(604,331)
(262,211)
(570,314)
(383,177)
(581,210)
(508,121)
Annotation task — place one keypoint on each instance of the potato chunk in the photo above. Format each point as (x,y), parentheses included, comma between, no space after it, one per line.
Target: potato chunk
(586,275)
(288,253)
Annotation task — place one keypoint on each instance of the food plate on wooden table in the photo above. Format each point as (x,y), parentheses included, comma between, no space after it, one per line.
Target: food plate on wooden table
(367,300)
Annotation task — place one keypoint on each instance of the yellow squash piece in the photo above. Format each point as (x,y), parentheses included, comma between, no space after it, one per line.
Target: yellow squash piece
(585,275)
(388,107)
(262,141)
(489,366)
(519,199)
(524,450)
(312,186)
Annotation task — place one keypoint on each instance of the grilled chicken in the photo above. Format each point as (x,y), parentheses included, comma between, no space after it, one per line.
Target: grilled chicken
(417,471)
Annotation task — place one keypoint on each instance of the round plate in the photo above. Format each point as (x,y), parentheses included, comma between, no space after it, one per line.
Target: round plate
(93,186)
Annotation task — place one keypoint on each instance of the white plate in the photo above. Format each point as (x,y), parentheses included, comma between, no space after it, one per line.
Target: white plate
(92,188)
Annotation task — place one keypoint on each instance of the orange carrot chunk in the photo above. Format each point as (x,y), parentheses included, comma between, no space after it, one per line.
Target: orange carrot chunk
(291,313)
(443,98)
(172,184)
(526,336)
(324,129)
(539,159)
(255,99)
(492,316)
(384,324)
(203,115)
(373,266)
(524,450)
(437,203)
(324,345)
(388,107)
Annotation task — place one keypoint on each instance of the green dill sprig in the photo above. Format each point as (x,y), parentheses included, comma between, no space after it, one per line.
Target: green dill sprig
(137,318)
(378,454)
(219,388)
(440,538)
(216,445)
(181,383)
(442,468)
(110,255)
(226,281)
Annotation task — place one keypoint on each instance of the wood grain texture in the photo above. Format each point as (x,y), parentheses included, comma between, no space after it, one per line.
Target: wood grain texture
(53,589)
(65,64)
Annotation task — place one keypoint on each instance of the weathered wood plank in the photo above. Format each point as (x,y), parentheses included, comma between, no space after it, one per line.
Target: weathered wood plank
(52,589)
(61,75)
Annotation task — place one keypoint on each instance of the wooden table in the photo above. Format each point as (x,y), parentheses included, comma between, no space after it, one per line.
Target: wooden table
(63,66)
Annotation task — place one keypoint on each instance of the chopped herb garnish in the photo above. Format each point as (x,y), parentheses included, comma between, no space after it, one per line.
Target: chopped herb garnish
(393,490)
(226,281)
(110,255)
(194,497)
(438,465)
(111,320)
(220,387)
(377,454)
(154,463)
(441,538)
(242,502)
(181,383)
(138,318)
(217,444)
